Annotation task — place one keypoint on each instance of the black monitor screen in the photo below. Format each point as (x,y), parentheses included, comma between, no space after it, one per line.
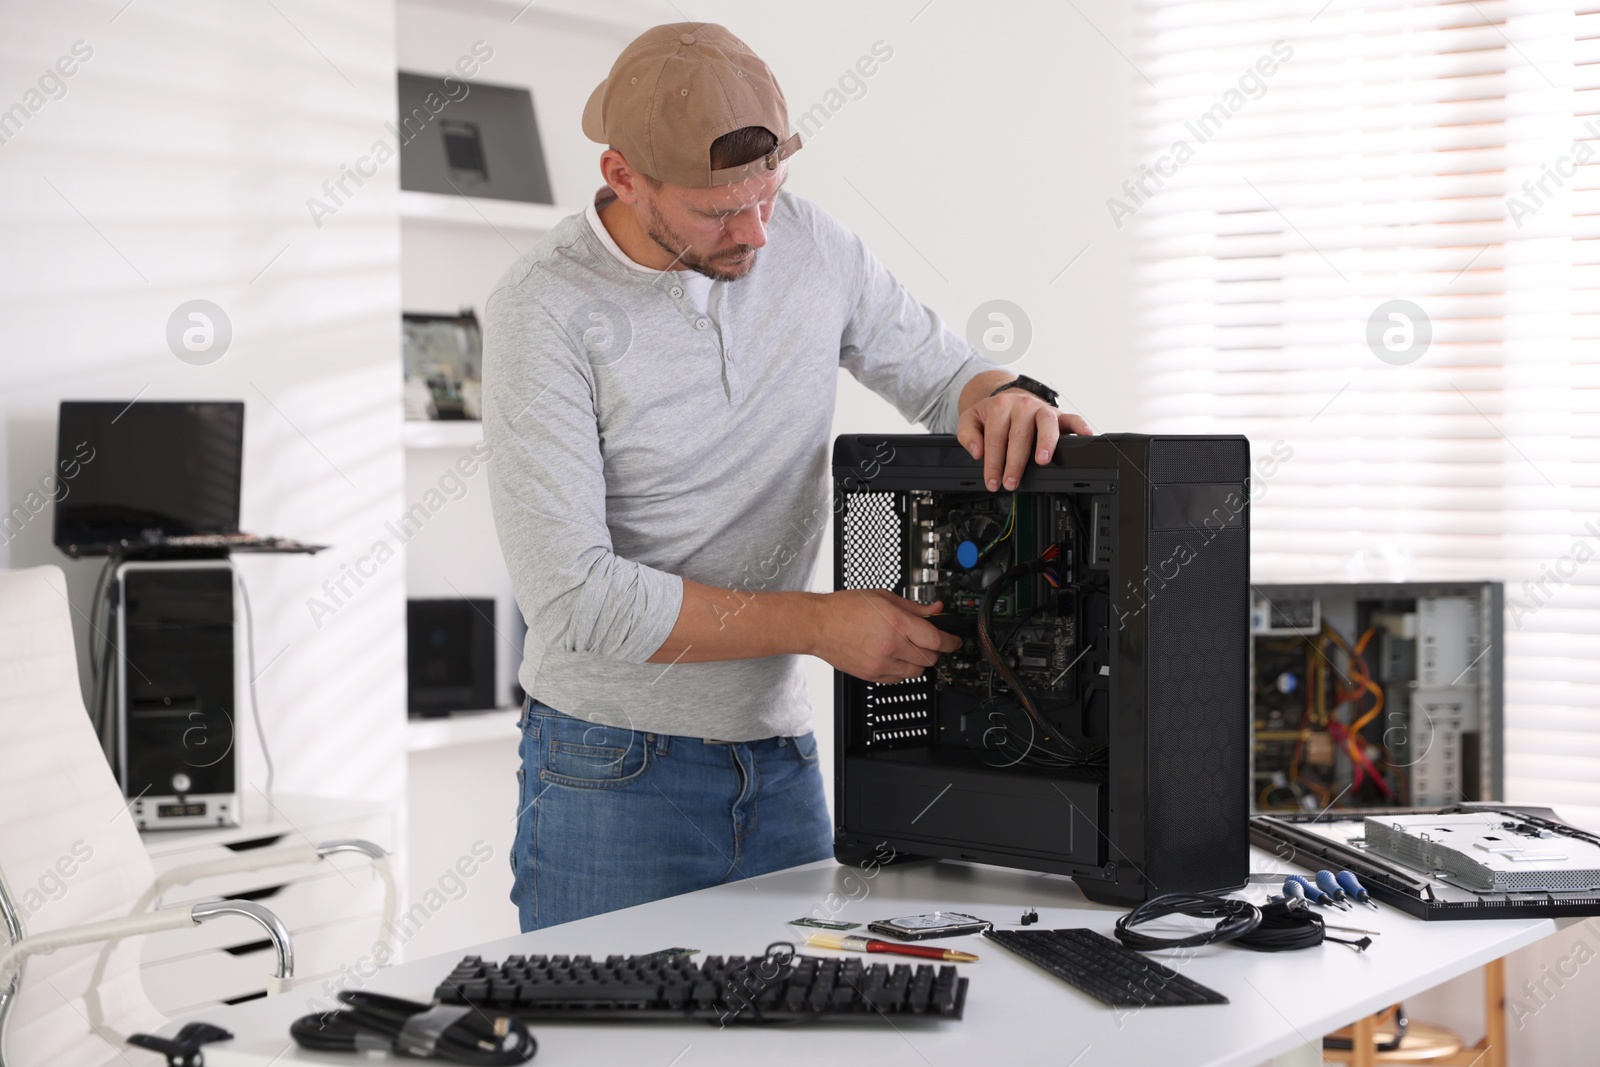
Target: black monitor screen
(136,471)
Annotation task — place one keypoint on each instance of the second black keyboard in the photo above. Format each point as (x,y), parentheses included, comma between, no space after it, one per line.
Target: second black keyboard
(1105,969)
(778,986)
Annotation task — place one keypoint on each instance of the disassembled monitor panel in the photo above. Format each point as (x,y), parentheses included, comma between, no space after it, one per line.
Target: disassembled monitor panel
(1491,852)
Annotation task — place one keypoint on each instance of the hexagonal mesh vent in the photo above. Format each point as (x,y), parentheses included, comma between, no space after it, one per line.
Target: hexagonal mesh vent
(872,556)
(1196,710)
(872,553)
(1549,881)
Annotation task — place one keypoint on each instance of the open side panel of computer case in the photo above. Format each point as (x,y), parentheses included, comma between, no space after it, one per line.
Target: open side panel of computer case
(1113,590)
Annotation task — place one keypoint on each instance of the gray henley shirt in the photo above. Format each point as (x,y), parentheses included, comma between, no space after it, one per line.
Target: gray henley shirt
(636,442)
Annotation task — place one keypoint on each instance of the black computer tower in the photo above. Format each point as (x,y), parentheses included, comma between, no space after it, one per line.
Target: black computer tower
(1127,634)
(175,686)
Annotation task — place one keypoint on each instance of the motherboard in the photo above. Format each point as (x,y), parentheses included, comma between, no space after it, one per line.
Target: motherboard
(1007,571)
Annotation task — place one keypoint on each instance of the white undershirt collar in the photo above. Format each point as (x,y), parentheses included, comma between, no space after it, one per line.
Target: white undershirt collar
(697,285)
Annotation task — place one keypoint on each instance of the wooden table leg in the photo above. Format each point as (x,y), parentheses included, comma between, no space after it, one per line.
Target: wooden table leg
(1363,1042)
(1494,1013)
(1304,1056)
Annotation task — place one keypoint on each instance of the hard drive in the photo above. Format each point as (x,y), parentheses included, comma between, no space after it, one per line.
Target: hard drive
(933,924)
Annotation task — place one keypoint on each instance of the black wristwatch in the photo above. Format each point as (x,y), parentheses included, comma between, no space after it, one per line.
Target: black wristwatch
(1037,388)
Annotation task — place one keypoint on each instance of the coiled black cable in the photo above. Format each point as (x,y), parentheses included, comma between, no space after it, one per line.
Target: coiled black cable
(1286,927)
(1281,926)
(1235,919)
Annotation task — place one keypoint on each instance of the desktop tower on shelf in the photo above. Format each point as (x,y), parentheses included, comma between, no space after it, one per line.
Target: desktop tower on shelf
(1095,721)
(174,692)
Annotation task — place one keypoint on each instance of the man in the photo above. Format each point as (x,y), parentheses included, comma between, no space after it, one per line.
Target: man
(659,388)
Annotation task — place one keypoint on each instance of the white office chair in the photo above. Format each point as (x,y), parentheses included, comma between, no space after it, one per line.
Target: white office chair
(70,991)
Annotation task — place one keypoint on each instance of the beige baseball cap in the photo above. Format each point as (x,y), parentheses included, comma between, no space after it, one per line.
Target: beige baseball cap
(674,90)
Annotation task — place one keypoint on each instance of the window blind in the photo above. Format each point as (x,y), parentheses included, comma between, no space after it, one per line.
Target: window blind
(1300,168)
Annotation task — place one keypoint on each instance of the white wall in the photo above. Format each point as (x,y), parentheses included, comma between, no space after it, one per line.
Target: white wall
(177,166)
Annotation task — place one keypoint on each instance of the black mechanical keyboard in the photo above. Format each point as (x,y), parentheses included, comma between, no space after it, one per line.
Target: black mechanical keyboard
(779,986)
(1105,969)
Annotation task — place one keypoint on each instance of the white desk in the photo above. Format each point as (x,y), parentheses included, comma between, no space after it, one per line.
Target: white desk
(1015,1014)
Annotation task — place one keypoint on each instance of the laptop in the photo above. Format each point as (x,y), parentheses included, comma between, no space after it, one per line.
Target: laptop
(153,478)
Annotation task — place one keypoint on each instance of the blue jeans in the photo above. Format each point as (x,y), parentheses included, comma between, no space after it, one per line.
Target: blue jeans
(609,818)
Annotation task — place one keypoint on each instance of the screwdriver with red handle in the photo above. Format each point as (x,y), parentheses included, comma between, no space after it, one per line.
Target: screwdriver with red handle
(856,943)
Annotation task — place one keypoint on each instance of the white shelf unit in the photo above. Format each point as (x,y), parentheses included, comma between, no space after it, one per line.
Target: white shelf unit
(457,434)
(478,211)
(461,772)
(331,908)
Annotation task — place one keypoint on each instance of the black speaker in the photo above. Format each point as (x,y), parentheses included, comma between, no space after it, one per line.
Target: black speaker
(449,656)
(1095,721)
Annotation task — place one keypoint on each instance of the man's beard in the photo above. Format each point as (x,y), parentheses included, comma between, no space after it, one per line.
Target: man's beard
(662,235)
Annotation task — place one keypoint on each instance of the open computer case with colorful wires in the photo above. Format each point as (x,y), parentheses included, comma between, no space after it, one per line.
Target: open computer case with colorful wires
(1376,695)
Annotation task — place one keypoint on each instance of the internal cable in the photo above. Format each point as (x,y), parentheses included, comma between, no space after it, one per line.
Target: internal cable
(255,708)
(986,635)
(1364,677)
(1350,737)
(1037,724)
(1005,532)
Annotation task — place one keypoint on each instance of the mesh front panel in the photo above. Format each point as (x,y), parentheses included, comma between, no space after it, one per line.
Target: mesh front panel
(1198,462)
(1198,728)
(872,553)
(1198,706)
(872,556)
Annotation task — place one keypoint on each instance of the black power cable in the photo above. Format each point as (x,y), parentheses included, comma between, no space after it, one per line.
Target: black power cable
(106,721)
(1281,926)
(372,1021)
(1235,919)
(1286,927)
(95,612)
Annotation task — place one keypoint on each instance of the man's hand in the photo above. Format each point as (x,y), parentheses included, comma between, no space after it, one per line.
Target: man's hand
(1002,431)
(877,636)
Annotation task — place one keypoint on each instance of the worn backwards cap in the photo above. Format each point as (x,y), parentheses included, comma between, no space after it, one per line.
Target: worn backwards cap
(676,89)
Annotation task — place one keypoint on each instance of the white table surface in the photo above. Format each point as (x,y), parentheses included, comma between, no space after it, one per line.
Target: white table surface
(1015,1014)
